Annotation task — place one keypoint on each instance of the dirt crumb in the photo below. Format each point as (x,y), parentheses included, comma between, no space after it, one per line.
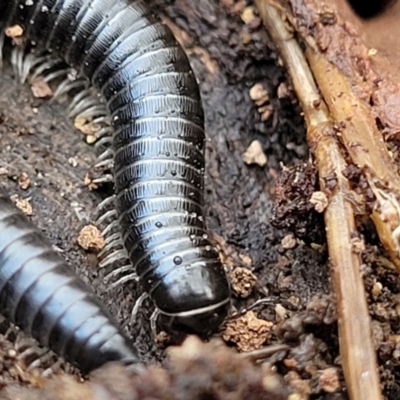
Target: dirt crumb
(255,154)
(319,200)
(266,112)
(376,289)
(246,259)
(73,161)
(23,204)
(90,238)
(242,281)
(292,207)
(89,180)
(281,311)
(259,94)
(357,244)
(23,181)
(248,332)
(248,15)
(90,139)
(86,126)
(329,380)
(41,89)
(289,242)
(14,31)
(283,91)
(163,339)
(301,386)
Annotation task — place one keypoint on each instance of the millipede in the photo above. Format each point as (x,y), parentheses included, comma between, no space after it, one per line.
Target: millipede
(156,149)
(41,295)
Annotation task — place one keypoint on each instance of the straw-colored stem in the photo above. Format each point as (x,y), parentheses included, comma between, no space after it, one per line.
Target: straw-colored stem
(356,347)
(366,147)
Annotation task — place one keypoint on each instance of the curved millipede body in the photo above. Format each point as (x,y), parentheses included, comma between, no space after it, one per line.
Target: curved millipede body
(158,144)
(40,293)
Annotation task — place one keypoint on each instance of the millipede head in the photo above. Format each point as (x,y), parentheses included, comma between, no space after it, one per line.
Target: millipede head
(203,322)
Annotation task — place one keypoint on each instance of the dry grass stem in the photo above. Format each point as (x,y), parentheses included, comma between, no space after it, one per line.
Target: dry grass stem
(356,347)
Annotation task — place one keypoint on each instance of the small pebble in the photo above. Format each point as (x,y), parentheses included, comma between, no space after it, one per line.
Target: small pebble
(255,155)
(289,242)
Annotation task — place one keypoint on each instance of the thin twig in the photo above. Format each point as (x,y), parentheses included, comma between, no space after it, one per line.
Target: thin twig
(356,347)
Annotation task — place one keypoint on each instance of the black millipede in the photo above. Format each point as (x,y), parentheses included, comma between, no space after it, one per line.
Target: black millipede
(40,294)
(158,139)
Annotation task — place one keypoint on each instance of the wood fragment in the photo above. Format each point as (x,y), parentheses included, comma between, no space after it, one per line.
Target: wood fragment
(366,147)
(356,347)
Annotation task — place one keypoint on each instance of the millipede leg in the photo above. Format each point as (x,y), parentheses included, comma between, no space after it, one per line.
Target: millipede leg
(138,304)
(153,323)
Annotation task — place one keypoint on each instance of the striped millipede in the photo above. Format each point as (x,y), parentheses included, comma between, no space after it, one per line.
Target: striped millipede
(157,144)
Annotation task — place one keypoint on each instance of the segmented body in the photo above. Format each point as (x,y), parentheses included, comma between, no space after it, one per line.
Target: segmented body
(158,143)
(40,294)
